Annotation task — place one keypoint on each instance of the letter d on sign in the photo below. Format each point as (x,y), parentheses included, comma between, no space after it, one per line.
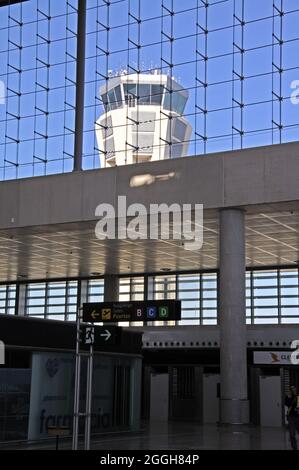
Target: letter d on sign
(295,354)
(2,353)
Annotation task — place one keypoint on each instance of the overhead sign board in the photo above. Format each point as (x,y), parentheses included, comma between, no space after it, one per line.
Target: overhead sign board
(273,357)
(114,312)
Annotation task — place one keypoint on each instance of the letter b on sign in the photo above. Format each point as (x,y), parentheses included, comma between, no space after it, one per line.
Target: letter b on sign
(139,312)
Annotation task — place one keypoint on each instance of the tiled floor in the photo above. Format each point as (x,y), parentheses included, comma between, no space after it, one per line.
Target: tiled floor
(168,436)
(190,436)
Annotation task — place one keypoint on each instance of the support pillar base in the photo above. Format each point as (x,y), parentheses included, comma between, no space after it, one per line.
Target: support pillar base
(234,411)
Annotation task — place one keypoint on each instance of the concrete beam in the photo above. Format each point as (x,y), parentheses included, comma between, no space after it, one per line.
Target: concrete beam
(264,176)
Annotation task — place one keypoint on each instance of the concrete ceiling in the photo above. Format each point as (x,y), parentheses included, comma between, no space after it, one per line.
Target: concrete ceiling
(71,250)
(47,224)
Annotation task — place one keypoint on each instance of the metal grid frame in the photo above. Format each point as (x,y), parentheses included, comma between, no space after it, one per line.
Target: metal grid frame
(38,68)
(217,55)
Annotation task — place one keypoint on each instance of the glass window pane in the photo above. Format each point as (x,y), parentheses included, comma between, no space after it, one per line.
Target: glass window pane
(51,298)
(157,94)
(7,299)
(118,97)
(35,310)
(144,94)
(294,320)
(71,317)
(209,322)
(267,312)
(179,102)
(112,100)
(266,302)
(105,102)
(289,301)
(266,321)
(96,290)
(130,91)
(56,317)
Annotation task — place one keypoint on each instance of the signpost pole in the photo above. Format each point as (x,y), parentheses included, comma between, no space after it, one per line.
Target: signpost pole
(112,312)
(88,399)
(77,385)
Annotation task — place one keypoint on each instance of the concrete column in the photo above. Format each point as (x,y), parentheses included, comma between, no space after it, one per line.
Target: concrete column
(111,288)
(234,407)
(83,292)
(21,300)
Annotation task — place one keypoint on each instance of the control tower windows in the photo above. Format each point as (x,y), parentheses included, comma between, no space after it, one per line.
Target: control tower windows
(175,101)
(112,99)
(143,94)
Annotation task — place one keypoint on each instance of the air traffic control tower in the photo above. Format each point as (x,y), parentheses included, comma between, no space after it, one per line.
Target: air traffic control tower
(142,120)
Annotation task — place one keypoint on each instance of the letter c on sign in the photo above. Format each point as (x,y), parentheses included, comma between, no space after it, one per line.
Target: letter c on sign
(295,354)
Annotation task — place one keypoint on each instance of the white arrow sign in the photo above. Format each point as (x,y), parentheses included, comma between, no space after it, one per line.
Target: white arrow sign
(106,335)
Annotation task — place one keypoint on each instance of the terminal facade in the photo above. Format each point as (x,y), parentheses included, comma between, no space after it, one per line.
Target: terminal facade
(228,360)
